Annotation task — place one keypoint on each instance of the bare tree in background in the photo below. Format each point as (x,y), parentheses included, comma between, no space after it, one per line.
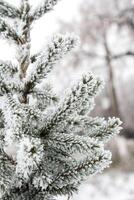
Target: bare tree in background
(97,23)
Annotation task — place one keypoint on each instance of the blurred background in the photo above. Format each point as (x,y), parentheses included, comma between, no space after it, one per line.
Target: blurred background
(106,31)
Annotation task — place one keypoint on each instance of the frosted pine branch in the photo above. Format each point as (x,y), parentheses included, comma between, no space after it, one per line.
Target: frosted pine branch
(7,87)
(34,194)
(102,129)
(56,144)
(20,120)
(29,156)
(79,101)
(7,32)
(9,78)
(45,60)
(7,10)
(44,97)
(7,170)
(87,166)
(8,68)
(82,95)
(46,6)
(24,11)
(72,143)
(99,128)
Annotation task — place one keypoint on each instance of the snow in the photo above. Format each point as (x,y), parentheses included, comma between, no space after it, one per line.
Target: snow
(29,154)
(108,186)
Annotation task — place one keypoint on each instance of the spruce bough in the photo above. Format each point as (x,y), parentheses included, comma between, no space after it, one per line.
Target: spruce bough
(57,145)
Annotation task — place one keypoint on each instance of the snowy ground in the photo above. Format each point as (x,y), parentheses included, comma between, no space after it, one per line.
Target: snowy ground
(109,186)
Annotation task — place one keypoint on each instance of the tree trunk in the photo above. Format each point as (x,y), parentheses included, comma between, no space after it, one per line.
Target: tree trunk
(113,95)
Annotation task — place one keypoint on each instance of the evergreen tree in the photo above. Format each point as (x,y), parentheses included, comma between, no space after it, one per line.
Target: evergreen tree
(56,144)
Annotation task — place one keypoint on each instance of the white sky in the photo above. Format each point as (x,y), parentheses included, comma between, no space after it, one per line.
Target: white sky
(45,27)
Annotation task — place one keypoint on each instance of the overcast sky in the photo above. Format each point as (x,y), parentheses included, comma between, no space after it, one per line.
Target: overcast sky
(43,28)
